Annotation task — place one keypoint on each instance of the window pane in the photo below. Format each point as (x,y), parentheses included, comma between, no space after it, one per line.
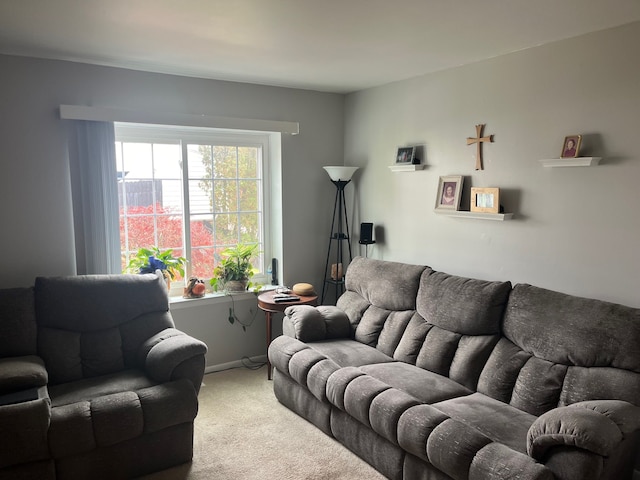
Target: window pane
(248,162)
(225,162)
(202,262)
(249,195)
(137,160)
(200,192)
(166,161)
(226,229)
(225,196)
(249,228)
(201,230)
(135,195)
(169,231)
(141,231)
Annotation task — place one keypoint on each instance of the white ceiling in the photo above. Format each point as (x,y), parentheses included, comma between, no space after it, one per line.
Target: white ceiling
(327,45)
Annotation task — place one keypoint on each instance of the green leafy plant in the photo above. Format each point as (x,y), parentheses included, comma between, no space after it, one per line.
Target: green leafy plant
(148,260)
(235,266)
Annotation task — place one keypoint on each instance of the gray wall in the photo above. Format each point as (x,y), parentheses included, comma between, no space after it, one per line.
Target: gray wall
(34,181)
(576,230)
(35,197)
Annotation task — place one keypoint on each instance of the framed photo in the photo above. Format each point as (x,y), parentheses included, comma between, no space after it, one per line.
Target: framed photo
(486,200)
(405,154)
(571,146)
(449,193)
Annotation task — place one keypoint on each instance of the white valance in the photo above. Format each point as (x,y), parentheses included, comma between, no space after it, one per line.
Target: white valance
(108,114)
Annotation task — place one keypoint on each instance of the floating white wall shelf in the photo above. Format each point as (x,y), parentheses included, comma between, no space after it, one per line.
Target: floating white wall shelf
(406,168)
(571,162)
(500,217)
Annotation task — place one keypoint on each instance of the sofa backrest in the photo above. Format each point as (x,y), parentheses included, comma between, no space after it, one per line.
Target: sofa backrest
(379,297)
(457,326)
(18,330)
(91,325)
(439,322)
(560,349)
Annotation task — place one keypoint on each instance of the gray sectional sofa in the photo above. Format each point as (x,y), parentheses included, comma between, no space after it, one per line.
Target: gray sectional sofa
(95,381)
(431,376)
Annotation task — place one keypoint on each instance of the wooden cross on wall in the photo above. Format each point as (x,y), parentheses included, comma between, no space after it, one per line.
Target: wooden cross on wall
(478,141)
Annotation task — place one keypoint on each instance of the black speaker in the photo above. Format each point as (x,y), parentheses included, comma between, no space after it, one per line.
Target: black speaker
(274,271)
(366,233)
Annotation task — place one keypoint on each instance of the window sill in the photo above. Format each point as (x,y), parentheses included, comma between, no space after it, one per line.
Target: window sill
(178,302)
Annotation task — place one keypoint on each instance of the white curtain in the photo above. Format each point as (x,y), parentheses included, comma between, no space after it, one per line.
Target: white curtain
(95,197)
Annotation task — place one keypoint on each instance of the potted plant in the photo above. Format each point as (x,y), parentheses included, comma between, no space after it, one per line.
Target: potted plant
(234,271)
(148,260)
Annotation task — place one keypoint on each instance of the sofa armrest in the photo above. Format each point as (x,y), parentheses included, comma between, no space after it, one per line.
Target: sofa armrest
(172,354)
(598,426)
(309,324)
(22,373)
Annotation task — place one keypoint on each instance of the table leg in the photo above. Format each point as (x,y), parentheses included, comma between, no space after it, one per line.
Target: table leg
(268,320)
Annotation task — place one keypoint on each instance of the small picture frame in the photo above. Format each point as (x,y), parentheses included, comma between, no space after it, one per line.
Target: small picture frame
(571,146)
(405,155)
(449,192)
(485,200)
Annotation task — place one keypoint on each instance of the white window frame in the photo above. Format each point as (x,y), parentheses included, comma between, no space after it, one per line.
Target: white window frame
(127,132)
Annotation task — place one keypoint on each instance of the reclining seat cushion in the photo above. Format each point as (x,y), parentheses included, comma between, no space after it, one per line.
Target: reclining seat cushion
(86,425)
(94,387)
(310,364)
(496,420)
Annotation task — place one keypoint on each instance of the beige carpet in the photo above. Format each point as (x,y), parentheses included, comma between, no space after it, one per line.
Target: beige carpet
(242,432)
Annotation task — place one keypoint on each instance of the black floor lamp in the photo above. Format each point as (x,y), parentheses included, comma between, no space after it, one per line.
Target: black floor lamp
(340,176)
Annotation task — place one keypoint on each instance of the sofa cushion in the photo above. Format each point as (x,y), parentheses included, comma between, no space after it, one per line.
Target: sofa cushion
(498,421)
(424,386)
(387,285)
(349,352)
(572,330)
(462,305)
(89,388)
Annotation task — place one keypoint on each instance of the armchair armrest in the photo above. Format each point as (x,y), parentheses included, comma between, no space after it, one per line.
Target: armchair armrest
(309,324)
(23,429)
(597,426)
(172,354)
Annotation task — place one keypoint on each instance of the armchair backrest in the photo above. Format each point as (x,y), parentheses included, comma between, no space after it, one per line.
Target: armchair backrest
(18,330)
(91,325)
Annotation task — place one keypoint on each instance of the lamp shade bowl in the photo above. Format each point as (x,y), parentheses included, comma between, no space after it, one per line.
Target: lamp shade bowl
(337,173)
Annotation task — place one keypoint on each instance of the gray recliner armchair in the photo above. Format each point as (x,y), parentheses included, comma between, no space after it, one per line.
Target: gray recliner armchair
(95,381)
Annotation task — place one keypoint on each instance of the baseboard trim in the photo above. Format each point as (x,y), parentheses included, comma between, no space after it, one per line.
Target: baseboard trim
(235,364)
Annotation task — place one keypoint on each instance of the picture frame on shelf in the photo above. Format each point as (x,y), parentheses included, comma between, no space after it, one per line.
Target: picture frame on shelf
(485,200)
(449,192)
(571,146)
(405,155)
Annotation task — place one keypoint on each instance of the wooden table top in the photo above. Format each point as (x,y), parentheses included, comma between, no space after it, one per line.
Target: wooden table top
(268,304)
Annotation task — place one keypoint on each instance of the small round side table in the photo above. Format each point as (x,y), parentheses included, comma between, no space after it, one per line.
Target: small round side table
(267,304)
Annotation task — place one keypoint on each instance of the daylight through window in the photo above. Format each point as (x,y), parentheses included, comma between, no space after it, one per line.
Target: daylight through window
(195,191)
